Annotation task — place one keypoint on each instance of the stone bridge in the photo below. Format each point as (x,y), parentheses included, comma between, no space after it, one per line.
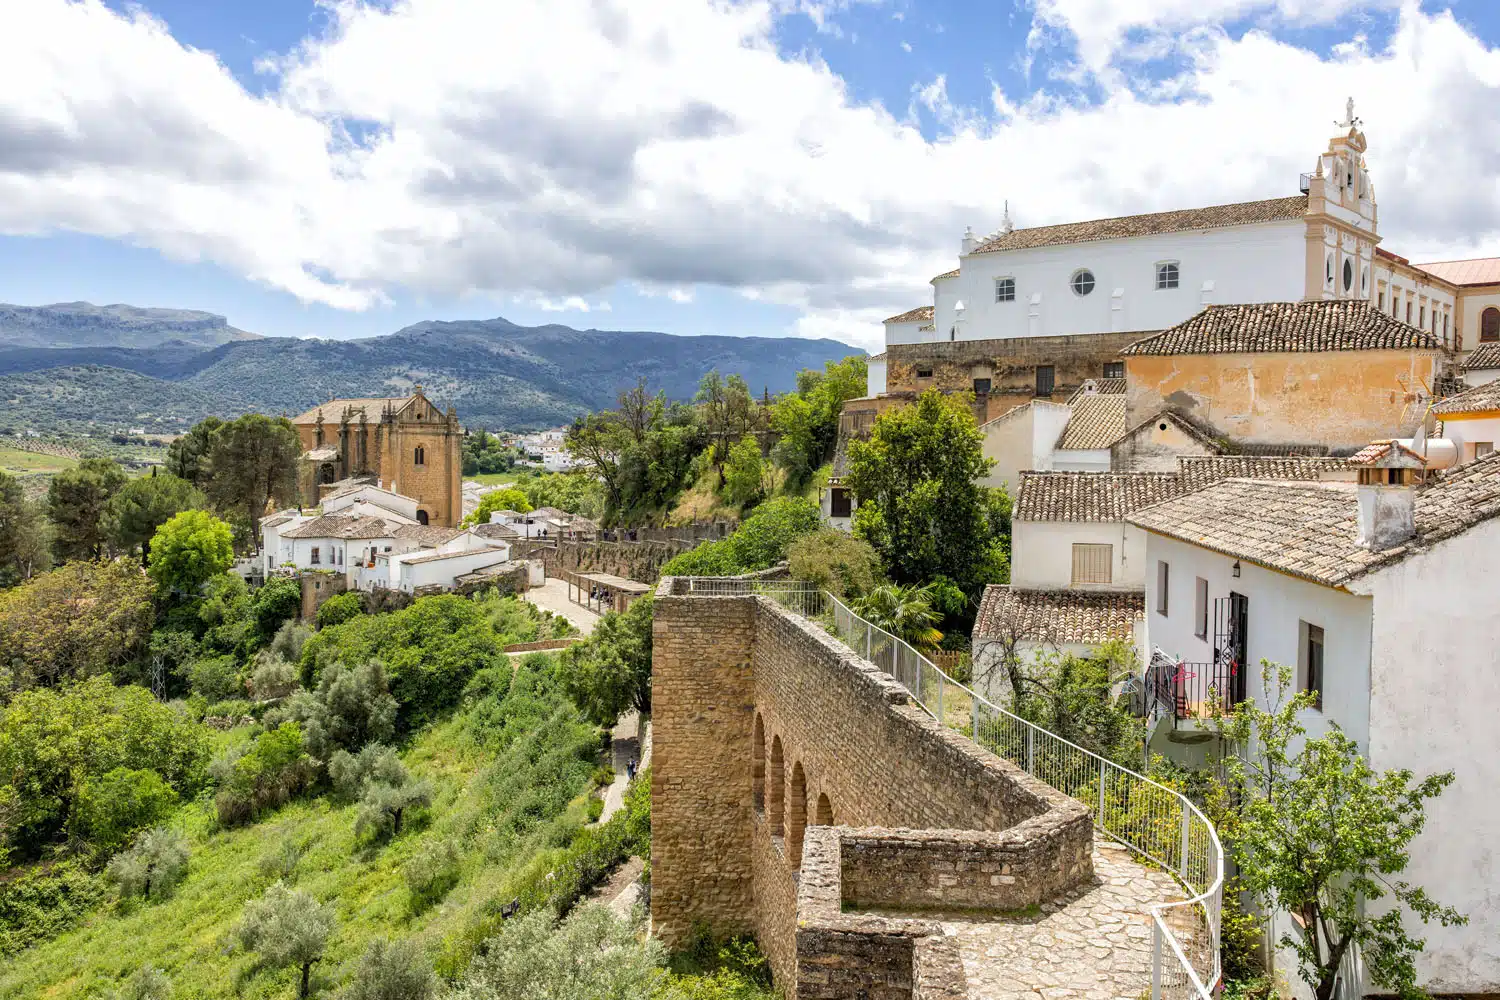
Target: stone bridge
(800,796)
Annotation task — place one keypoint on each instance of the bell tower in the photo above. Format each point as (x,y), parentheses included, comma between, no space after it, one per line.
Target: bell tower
(1342,219)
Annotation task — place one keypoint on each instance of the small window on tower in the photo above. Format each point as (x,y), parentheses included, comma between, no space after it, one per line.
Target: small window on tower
(1167,275)
(419,457)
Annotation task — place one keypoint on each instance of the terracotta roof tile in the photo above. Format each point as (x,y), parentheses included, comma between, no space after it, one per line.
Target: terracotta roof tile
(1198,472)
(1098,421)
(1479,271)
(1083,616)
(372,407)
(342,526)
(921,314)
(427,534)
(1280,327)
(946,274)
(1102,386)
(1475,400)
(1214,217)
(1091,496)
(1482,357)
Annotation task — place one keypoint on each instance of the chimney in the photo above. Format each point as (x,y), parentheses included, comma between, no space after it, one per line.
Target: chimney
(1389,474)
(969,241)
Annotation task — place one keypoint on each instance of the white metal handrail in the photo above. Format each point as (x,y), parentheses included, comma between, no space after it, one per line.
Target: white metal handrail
(1144,815)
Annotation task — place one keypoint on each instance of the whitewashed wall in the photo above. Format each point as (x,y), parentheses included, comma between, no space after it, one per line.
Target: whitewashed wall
(1467,433)
(875,380)
(1023,439)
(906,333)
(1042,553)
(442,572)
(1081,460)
(1434,705)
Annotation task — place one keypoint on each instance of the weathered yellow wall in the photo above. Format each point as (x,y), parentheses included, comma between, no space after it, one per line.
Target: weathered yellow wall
(1332,397)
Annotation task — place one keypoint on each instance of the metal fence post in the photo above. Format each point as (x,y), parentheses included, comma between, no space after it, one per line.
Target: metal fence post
(1187,818)
(974,713)
(1156,948)
(1102,765)
(1030,757)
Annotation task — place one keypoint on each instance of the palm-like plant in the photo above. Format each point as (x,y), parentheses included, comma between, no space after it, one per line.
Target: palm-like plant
(905,612)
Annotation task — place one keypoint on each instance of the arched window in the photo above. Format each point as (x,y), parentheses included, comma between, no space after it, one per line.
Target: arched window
(1348,274)
(325,472)
(758,765)
(421,517)
(1167,275)
(825,811)
(778,787)
(1489,325)
(419,457)
(796,815)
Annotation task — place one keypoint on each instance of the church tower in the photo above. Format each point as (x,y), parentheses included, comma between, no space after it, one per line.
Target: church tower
(1341,218)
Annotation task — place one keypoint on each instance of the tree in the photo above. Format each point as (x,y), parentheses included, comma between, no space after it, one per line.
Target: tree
(287,927)
(254,460)
(340,608)
(920,504)
(807,421)
(113,806)
(841,564)
(351,707)
(145,983)
(598,439)
(25,538)
(351,772)
(729,413)
(744,473)
(261,775)
(905,612)
(575,492)
(392,970)
(610,672)
(510,498)
(157,860)
(54,740)
(189,457)
(276,603)
(1320,834)
(143,505)
(591,954)
(189,549)
(77,499)
(760,542)
(384,804)
(76,621)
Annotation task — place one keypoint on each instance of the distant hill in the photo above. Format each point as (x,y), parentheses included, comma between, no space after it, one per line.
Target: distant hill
(83,324)
(497,373)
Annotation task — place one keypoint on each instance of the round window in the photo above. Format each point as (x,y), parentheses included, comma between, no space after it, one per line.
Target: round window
(1348,275)
(1083,281)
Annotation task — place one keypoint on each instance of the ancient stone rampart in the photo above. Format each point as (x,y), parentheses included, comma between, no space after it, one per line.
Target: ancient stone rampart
(640,561)
(794,784)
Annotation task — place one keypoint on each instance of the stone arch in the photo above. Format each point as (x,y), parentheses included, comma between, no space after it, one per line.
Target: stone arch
(421,517)
(758,765)
(796,815)
(778,783)
(824,815)
(325,473)
(419,456)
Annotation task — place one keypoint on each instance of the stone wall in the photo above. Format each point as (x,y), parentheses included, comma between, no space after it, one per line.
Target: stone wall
(317,588)
(768,734)
(640,561)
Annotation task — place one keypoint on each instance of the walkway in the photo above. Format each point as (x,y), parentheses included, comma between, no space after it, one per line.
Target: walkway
(624,747)
(1093,944)
(553,596)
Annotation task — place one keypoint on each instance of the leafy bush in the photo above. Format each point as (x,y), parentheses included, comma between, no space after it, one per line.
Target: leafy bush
(41,903)
(351,772)
(392,971)
(272,677)
(351,707)
(216,678)
(113,806)
(230,708)
(287,927)
(431,872)
(145,983)
(157,861)
(340,608)
(189,549)
(591,954)
(263,775)
(289,640)
(846,566)
(760,542)
(275,604)
(54,740)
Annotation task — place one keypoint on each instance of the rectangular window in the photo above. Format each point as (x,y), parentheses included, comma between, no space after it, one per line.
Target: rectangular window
(1005,289)
(1044,380)
(1311,667)
(315,558)
(1445,324)
(1422,316)
(1380,300)
(1167,274)
(1114,369)
(1163,581)
(924,373)
(839,505)
(1408,312)
(1200,608)
(981,387)
(1483,448)
(1093,563)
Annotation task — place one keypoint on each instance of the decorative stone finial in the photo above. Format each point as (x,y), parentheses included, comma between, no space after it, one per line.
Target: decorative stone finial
(1005,223)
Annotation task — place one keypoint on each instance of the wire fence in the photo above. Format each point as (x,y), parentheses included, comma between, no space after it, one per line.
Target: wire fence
(1149,818)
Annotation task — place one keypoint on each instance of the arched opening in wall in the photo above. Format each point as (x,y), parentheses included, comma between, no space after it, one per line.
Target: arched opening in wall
(758,765)
(1489,325)
(778,787)
(421,517)
(325,473)
(419,457)
(824,815)
(796,815)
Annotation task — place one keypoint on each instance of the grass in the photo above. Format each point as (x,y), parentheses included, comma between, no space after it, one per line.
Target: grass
(311,842)
(514,477)
(14,460)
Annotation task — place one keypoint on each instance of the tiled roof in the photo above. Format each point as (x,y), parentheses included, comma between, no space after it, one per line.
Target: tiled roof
(1214,217)
(1084,616)
(1279,327)
(428,557)
(1098,421)
(1474,400)
(341,526)
(371,407)
(1091,496)
(428,534)
(1102,386)
(1483,356)
(1198,472)
(921,314)
(1479,271)
(946,274)
(1310,530)
(494,530)
(1375,451)
(279,518)
(327,453)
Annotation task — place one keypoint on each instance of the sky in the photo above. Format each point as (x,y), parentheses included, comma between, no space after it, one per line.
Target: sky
(750,167)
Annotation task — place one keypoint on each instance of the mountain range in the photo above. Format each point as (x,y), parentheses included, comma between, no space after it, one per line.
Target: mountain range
(123,370)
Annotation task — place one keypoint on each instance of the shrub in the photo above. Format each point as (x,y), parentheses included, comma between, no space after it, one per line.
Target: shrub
(272,677)
(340,608)
(230,708)
(846,566)
(593,953)
(263,776)
(145,983)
(43,902)
(351,707)
(760,542)
(351,772)
(216,678)
(191,548)
(289,640)
(431,872)
(287,927)
(384,805)
(274,605)
(392,971)
(115,805)
(156,861)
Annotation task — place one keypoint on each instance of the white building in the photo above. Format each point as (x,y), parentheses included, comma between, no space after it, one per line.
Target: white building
(1368,590)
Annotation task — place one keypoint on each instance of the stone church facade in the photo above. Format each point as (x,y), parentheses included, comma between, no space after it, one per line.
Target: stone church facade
(405,444)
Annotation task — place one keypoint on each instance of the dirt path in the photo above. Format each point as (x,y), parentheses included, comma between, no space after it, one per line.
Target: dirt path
(553,596)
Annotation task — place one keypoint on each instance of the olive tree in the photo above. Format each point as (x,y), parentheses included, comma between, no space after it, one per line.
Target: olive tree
(287,927)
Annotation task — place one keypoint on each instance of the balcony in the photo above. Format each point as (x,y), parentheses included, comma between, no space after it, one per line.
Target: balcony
(1192,693)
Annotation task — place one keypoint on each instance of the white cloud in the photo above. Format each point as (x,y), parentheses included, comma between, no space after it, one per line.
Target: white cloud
(906,46)
(570,303)
(437,147)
